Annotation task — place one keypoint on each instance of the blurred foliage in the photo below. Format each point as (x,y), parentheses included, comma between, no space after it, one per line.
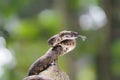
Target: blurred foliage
(116,57)
(28,24)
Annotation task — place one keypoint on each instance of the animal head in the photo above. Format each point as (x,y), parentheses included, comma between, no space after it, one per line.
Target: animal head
(68,35)
(63,35)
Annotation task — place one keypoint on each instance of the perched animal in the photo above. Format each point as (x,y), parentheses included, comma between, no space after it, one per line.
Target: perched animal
(63,35)
(67,39)
(62,43)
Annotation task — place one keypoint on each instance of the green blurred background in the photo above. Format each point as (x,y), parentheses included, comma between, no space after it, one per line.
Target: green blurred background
(26,25)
